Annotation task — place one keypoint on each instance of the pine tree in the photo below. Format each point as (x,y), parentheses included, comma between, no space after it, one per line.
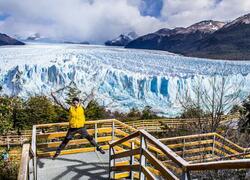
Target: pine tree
(95,111)
(73,92)
(39,109)
(147,113)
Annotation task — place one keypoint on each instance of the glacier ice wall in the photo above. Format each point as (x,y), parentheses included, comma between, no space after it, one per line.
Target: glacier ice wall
(123,78)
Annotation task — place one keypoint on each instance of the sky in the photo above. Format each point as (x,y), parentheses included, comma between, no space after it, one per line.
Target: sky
(99,20)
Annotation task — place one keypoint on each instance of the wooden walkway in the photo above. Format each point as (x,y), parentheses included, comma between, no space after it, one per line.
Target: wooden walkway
(129,150)
(82,166)
(162,125)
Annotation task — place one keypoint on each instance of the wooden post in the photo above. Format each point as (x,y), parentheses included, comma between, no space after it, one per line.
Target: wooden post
(111,163)
(183,148)
(113,130)
(213,144)
(185,175)
(132,159)
(142,158)
(8,143)
(21,140)
(33,147)
(96,134)
(24,166)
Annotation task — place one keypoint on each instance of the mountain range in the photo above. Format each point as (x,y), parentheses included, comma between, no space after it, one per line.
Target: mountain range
(6,40)
(122,40)
(206,39)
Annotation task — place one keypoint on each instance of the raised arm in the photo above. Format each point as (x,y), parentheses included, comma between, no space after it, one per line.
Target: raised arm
(63,105)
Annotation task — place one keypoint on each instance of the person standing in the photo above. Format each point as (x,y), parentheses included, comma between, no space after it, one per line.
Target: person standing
(76,124)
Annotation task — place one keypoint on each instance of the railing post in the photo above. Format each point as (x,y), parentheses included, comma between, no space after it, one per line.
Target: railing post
(142,157)
(213,145)
(33,147)
(21,140)
(8,143)
(183,148)
(95,133)
(113,130)
(186,176)
(23,173)
(28,171)
(111,163)
(132,159)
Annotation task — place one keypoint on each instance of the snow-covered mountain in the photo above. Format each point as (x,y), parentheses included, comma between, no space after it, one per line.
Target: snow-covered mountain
(34,37)
(205,39)
(208,26)
(123,78)
(122,40)
(177,40)
(241,20)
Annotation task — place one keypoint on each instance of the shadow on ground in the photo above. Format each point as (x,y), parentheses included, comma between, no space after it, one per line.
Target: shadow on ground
(72,168)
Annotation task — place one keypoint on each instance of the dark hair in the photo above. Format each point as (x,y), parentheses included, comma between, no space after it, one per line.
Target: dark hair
(75,99)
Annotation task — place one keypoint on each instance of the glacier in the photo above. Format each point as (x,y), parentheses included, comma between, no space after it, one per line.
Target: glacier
(122,78)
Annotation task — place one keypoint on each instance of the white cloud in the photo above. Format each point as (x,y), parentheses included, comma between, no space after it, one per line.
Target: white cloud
(75,19)
(187,12)
(99,20)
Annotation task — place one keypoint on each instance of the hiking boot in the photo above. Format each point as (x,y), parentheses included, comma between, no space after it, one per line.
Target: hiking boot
(55,155)
(100,150)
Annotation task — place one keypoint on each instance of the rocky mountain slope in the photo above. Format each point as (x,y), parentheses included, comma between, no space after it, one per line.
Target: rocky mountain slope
(207,39)
(6,40)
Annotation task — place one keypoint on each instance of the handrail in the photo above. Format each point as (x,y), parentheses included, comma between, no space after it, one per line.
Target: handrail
(187,137)
(98,129)
(185,166)
(227,164)
(67,123)
(125,125)
(24,166)
(142,146)
(237,146)
(181,119)
(120,141)
(144,154)
(166,150)
(167,173)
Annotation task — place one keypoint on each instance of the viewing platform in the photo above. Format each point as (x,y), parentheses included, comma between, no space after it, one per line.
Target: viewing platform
(89,165)
(130,153)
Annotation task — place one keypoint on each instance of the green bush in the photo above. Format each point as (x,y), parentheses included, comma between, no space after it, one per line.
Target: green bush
(8,170)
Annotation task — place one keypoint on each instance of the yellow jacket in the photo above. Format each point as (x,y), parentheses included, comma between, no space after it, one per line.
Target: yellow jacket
(76,117)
